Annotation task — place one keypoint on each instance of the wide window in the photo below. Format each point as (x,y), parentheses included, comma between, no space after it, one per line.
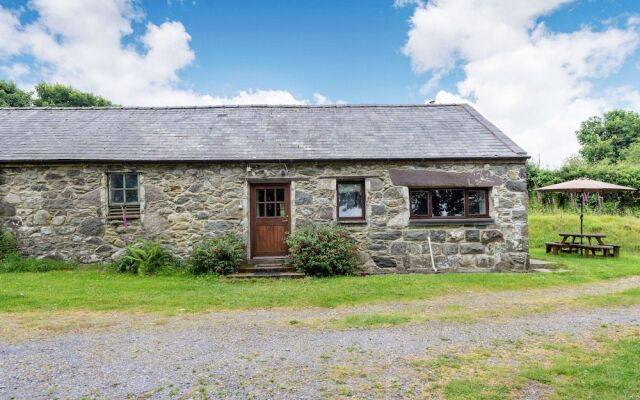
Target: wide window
(350,200)
(448,203)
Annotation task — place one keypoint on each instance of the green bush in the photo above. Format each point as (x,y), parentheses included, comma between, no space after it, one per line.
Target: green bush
(323,250)
(8,244)
(146,257)
(221,255)
(16,263)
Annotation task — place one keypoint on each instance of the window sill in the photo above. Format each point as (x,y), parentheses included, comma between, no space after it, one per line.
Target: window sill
(353,222)
(452,221)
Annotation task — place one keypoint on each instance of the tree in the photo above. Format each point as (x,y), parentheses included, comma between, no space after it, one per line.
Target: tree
(609,137)
(57,95)
(632,154)
(11,96)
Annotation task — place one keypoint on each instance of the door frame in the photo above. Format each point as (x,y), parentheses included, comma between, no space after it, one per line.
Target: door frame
(252,213)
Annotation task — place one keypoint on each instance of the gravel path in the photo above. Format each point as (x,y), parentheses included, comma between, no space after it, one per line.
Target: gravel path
(253,354)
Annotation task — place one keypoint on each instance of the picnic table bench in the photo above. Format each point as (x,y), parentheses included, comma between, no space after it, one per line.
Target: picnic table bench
(574,243)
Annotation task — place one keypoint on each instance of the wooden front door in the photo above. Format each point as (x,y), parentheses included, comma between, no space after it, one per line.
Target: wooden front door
(270,222)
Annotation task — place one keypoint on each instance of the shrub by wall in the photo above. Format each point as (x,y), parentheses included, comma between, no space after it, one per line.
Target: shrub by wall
(220,255)
(323,250)
(144,258)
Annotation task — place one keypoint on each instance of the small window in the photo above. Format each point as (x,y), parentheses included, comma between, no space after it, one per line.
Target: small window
(270,203)
(124,195)
(123,188)
(351,200)
(448,203)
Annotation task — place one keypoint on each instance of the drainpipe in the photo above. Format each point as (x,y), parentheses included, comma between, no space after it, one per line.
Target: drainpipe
(433,263)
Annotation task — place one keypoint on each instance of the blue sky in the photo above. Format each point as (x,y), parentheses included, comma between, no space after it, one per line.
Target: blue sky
(535,68)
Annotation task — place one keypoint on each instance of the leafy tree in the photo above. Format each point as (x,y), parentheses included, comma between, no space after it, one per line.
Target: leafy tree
(12,96)
(609,137)
(632,154)
(58,95)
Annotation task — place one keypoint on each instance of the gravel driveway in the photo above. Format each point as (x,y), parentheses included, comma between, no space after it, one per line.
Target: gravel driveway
(257,354)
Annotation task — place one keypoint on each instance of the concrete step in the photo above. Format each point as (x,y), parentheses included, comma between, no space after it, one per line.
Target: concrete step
(268,261)
(266,268)
(272,275)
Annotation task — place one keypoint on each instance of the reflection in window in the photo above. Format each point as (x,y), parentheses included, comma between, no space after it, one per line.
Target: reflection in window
(447,203)
(350,200)
(419,200)
(477,202)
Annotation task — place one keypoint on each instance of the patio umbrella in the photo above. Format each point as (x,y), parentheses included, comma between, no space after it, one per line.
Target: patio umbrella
(584,186)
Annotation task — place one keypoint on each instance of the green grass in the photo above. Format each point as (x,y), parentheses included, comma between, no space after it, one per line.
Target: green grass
(372,320)
(15,263)
(97,290)
(597,377)
(467,389)
(624,298)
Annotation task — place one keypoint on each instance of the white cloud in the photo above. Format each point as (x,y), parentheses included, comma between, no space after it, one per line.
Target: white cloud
(533,83)
(89,45)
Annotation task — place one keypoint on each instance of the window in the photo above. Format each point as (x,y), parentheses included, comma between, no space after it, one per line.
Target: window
(124,195)
(270,203)
(448,203)
(351,201)
(123,188)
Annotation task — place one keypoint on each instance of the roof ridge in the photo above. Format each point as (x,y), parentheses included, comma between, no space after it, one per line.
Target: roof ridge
(364,105)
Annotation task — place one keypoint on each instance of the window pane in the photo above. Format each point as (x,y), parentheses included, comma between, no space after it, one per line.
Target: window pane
(350,200)
(260,210)
(280,210)
(477,202)
(419,202)
(271,194)
(117,196)
(117,181)
(131,180)
(271,210)
(260,195)
(448,203)
(280,194)
(132,196)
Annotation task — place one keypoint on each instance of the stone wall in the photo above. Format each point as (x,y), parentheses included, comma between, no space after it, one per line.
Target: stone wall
(59,211)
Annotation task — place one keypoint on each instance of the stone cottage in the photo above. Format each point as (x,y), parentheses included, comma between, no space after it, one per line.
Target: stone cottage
(413,183)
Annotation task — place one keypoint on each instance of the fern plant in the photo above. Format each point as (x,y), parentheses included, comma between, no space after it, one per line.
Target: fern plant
(146,257)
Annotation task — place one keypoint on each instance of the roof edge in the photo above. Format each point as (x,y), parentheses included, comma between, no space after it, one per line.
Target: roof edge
(239,106)
(257,161)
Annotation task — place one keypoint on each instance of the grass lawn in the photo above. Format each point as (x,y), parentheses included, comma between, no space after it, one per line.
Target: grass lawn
(97,290)
(599,365)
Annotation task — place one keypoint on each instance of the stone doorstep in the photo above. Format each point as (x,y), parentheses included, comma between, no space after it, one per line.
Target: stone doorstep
(262,268)
(272,275)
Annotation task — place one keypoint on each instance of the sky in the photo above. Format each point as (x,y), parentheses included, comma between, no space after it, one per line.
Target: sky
(536,69)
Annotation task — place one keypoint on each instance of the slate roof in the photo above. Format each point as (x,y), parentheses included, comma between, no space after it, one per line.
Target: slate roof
(251,133)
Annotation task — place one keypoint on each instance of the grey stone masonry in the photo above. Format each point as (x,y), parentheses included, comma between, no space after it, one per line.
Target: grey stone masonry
(59,211)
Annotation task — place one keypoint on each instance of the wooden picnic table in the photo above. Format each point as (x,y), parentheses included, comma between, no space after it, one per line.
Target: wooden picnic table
(575,237)
(574,243)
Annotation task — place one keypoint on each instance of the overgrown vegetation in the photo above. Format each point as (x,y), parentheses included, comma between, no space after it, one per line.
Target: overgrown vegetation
(144,258)
(220,255)
(323,250)
(8,244)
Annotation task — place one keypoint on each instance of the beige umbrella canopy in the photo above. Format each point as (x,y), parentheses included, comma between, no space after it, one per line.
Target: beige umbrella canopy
(583,186)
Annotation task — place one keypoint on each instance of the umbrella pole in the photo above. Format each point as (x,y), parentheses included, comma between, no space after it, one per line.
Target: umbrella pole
(581,216)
